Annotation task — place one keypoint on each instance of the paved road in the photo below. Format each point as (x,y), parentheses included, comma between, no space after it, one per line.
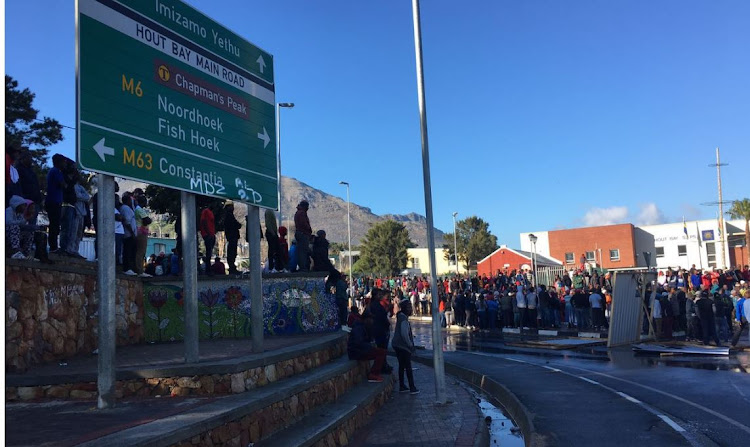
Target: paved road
(616,399)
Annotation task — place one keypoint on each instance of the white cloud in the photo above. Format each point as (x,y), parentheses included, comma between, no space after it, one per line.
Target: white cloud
(605,216)
(650,214)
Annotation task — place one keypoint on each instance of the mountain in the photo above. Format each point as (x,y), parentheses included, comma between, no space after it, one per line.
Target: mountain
(328,212)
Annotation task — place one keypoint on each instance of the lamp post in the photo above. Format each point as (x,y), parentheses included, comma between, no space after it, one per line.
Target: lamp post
(349,231)
(287,105)
(455,242)
(533,239)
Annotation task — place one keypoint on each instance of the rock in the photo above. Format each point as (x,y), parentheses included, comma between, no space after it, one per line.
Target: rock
(80,394)
(12,315)
(14,331)
(179,391)
(30,392)
(270,372)
(207,384)
(238,383)
(189,382)
(58,392)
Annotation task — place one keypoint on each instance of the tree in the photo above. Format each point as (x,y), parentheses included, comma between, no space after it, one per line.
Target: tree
(24,131)
(741,210)
(474,241)
(383,249)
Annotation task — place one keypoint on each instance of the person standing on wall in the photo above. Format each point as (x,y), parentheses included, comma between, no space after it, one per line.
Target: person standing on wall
(53,201)
(232,232)
(302,234)
(208,232)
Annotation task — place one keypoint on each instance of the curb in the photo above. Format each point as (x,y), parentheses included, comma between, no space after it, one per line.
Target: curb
(517,410)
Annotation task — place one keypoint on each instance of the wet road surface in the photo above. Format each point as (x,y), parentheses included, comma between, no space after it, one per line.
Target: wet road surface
(613,397)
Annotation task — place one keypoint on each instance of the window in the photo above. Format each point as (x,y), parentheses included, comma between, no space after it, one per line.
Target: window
(614,255)
(158,248)
(415,263)
(659,252)
(682,250)
(711,254)
(569,258)
(590,256)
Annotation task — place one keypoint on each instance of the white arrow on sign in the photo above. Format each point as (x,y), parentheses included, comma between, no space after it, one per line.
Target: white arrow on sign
(103,150)
(264,136)
(261,63)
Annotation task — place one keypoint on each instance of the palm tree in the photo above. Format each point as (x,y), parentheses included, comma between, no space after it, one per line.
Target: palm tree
(741,210)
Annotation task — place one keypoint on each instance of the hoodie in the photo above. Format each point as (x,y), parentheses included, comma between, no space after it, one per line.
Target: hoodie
(11,216)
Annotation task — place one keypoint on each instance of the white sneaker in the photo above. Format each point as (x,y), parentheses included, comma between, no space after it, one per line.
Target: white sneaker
(145,275)
(131,273)
(18,255)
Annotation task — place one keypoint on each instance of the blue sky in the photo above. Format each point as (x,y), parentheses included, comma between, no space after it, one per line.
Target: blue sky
(541,114)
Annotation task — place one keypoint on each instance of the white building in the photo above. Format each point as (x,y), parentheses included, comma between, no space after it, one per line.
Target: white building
(702,246)
(418,258)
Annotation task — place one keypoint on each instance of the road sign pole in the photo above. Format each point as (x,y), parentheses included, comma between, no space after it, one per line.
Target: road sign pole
(437,337)
(256,278)
(190,275)
(106,289)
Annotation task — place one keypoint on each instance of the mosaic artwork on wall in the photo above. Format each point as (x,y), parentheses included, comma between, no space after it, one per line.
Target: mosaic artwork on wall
(290,306)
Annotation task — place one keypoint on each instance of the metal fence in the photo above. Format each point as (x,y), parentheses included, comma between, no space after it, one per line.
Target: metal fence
(626,314)
(546,275)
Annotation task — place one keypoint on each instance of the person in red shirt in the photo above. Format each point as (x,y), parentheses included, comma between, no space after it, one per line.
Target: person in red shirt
(208,232)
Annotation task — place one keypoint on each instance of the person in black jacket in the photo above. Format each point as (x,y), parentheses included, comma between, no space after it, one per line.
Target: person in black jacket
(232,232)
(704,307)
(29,183)
(360,347)
(378,322)
(321,262)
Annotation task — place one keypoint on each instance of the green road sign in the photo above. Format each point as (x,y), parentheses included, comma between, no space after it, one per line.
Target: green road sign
(168,96)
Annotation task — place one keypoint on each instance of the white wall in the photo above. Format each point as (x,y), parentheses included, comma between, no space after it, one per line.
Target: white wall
(442,265)
(542,242)
(670,236)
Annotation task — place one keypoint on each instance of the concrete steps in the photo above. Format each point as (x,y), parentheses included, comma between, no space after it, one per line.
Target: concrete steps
(331,392)
(334,423)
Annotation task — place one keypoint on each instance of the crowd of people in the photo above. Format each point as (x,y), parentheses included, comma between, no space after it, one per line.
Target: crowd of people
(707,305)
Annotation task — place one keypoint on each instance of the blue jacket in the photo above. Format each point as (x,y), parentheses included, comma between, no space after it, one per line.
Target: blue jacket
(739,310)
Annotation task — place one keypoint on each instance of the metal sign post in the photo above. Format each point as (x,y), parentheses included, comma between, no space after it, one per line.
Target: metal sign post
(106,290)
(190,275)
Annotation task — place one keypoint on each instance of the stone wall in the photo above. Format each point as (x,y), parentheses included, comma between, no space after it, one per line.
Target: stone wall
(260,424)
(51,312)
(203,385)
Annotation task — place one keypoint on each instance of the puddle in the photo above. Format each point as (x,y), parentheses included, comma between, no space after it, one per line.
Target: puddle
(503,431)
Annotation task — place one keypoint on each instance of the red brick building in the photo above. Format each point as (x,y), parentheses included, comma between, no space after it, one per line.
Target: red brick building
(610,246)
(507,259)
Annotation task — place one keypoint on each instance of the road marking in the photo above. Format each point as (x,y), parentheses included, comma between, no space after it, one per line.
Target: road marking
(737,424)
(551,368)
(671,423)
(514,360)
(630,398)
(594,382)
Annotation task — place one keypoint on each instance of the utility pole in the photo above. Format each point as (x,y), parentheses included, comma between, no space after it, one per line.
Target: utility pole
(722,228)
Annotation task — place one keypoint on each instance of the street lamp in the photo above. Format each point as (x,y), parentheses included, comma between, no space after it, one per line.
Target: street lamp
(455,243)
(533,239)
(287,105)
(349,230)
